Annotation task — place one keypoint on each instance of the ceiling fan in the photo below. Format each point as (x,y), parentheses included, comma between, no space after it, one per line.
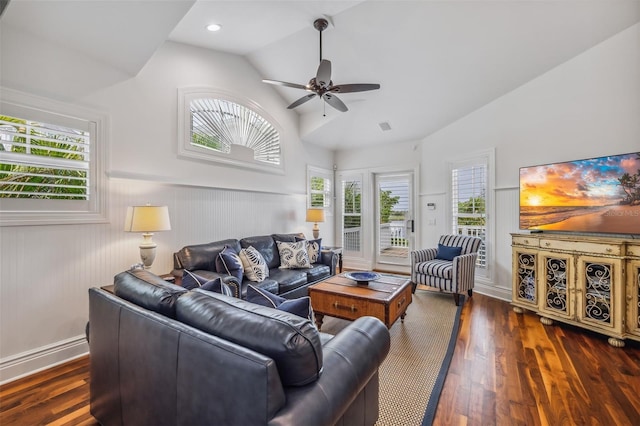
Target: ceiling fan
(321,85)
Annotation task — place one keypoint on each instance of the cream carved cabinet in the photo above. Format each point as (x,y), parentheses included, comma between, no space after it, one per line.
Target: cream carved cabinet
(590,282)
(633,290)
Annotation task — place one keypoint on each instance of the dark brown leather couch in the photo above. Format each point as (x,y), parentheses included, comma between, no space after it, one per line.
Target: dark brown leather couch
(290,283)
(164,355)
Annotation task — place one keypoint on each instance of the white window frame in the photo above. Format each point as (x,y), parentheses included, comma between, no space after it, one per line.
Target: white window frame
(486,157)
(327,176)
(24,211)
(239,156)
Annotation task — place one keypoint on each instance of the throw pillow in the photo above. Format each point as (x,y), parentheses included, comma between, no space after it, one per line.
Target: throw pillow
(300,306)
(229,263)
(314,249)
(255,267)
(293,255)
(447,253)
(191,281)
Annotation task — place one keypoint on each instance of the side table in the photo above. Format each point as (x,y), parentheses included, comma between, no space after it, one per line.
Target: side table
(338,251)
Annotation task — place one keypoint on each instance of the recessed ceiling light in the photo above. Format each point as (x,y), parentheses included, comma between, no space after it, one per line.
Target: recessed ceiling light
(214,27)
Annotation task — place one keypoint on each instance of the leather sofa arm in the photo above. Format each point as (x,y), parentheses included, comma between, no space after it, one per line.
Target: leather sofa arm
(329,258)
(351,360)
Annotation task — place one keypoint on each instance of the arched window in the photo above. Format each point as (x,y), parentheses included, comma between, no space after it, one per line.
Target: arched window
(216,128)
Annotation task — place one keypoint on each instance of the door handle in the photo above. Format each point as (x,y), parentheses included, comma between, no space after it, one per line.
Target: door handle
(410,225)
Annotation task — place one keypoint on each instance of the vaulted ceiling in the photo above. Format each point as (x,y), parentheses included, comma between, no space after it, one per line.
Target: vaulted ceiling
(436,61)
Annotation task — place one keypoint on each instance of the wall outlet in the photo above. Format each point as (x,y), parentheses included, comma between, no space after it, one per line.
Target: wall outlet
(431,222)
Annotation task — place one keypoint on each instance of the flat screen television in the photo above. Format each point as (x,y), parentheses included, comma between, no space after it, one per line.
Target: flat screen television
(599,195)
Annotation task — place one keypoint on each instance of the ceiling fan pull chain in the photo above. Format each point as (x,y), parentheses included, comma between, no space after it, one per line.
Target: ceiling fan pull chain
(320,45)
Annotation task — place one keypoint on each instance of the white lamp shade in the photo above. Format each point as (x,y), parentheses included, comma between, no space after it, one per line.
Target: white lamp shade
(147,219)
(315,215)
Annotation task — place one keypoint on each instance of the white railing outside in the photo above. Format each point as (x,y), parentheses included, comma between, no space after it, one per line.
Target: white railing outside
(480,232)
(351,239)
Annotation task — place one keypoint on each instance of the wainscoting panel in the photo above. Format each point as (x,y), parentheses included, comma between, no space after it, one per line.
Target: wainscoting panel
(46,271)
(507,201)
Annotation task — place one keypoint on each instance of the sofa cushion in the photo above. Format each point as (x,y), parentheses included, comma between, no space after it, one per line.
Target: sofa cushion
(314,249)
(300,306)
(293,255)
(291,341)
(228,262)
(148,290)
(255,267)
(317,272)
(202,256)
(267,248)
(288,279)
(288,238)
(269,285)
(437,268)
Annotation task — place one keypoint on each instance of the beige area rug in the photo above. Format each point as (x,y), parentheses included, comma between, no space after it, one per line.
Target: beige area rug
(420,346)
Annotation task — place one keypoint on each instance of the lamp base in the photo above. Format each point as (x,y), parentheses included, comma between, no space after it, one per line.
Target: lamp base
(147,250)
(316,231)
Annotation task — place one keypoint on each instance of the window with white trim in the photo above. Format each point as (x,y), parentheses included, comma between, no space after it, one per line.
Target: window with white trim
(319,188)
(49,167)
(216,126)
(471,203)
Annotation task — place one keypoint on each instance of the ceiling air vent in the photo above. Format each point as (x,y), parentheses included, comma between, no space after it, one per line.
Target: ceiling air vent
(385,126)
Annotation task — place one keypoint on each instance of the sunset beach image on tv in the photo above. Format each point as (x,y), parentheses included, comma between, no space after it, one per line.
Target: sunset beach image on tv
(600,195)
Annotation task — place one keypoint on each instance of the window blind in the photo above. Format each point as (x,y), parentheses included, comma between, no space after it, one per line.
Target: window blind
(43,161)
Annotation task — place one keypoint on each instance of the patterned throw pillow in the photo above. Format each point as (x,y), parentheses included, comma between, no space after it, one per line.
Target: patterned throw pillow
(293,255)
(255,267)
(229,263)
(314,249)
(300,306)
(191,281)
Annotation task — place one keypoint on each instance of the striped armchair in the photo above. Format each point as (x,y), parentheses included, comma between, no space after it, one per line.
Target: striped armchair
(454,276)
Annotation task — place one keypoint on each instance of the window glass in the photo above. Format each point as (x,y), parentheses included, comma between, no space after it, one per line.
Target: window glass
(469,204)
(51,162)
(219,127)
(319,188)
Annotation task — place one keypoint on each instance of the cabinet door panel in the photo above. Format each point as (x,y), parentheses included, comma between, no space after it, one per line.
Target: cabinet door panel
(556,274)
(600,292)
(633,321)
(524,286)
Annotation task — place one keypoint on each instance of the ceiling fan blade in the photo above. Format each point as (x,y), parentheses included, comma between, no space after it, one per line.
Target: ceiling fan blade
(323,76)
(335,102)
(302,100)
(284,83)
(349,88)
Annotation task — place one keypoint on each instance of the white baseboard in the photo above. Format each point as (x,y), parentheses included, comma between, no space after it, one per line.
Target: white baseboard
(26,363)
(493,291)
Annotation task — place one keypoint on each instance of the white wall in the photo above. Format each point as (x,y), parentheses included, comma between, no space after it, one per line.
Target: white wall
(45,271)
(586,107)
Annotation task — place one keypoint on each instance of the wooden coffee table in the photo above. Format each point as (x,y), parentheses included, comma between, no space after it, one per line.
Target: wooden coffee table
(386,298)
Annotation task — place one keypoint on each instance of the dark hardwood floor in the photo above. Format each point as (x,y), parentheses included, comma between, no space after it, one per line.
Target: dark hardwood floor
(507,369)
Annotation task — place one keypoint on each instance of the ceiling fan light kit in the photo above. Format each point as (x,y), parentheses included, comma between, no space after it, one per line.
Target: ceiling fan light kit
(321,85)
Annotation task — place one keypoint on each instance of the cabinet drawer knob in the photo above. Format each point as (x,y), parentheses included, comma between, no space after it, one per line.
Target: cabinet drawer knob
(609,249)
(401,302)
(547,244)
(351,308)
(526,241)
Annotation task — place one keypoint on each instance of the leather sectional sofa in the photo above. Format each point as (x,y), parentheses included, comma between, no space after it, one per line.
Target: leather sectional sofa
(165,355)
(289,283)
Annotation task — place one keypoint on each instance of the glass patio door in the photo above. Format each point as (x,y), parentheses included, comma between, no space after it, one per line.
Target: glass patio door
(394,226)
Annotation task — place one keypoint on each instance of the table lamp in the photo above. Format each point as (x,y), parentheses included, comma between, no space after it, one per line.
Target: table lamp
(147,219)
(315,215)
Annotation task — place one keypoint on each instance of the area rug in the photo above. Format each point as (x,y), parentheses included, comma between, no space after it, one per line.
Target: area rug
(412,375)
